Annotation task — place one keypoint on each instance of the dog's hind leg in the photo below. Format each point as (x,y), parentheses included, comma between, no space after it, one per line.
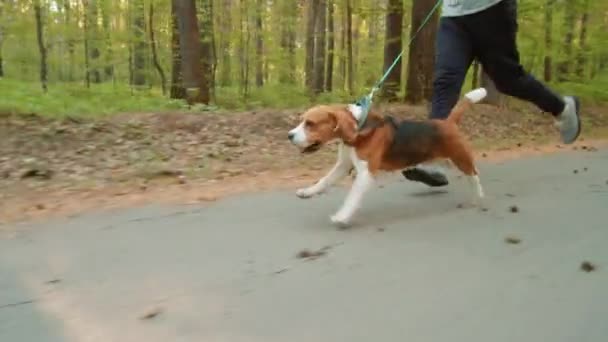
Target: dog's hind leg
(463,160)
(340,169)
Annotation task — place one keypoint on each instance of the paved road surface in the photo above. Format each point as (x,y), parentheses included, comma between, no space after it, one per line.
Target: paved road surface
(228,272)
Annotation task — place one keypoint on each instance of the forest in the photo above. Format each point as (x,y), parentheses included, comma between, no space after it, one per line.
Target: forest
(121,55)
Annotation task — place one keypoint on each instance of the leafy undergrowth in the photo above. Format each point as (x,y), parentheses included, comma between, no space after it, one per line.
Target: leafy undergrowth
(42,155)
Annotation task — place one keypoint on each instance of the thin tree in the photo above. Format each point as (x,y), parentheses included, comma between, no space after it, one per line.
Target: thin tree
(421,53)
(392,49)
(320,47)
(287,20)
(343,53)
(494,96)
(581,59)
(2,4)
(177,87)
(331,42)
(93,32)
(85,24)
(109,52)
(157,65)
(349,47)
(225,26)
(190,49)
(548,62)
(67,9)
(207,42)
(259,44)
(244,38)
(569,24)
(41,45)
(139,49)
(310,43)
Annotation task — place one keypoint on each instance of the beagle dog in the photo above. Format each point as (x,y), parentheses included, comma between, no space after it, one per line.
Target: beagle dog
(382,144)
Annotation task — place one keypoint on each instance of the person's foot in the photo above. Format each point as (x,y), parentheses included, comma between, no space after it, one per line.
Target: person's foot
(569,121)
(430,176)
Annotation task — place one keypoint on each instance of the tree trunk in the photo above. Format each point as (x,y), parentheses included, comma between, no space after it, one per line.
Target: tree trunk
(70,41)
(392,49)
(207,40)
(343,53)
(225,43)
(109,63)
(41,46)
(581,60)
(157,65)
(244,49)
(548,63)
(331,43)
(259,45)
(190,50)
(93,30)
(310,43)
(475,76)
(569,24)
(139,49)
(494,97)
(319,60)
(355,26)
(1,37)
(177,83)
(421,53)
(288,19)
(85,23)
(349,47)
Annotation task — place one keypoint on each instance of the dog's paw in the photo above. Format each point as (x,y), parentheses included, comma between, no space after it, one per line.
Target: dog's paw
(340,220)
(305,193)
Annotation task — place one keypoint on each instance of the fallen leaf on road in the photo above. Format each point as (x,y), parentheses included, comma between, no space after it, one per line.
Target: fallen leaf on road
(152,313)
(312,255)
(587,266)
(512,240)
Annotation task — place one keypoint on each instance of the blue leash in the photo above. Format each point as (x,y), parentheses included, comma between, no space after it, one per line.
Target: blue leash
(365,102)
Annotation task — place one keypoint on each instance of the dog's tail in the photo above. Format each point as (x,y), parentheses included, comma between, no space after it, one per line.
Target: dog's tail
(465,103)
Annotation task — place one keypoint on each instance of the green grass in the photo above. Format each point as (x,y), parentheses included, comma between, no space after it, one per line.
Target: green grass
(74,99)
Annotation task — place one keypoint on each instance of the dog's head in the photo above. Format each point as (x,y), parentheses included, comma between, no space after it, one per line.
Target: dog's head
(322,124)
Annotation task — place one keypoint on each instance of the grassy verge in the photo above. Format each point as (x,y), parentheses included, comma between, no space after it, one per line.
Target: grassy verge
(73,99)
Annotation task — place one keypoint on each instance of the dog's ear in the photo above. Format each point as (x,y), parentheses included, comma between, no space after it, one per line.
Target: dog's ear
(346,126)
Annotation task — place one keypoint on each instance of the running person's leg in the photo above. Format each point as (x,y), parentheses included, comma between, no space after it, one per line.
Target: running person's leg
(492,33)
(495,41)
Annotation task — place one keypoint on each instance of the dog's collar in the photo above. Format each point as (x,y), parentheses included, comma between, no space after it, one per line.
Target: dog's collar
(363,104)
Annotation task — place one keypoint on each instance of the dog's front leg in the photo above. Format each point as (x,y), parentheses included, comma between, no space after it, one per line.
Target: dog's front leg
(361,185)
(340,169)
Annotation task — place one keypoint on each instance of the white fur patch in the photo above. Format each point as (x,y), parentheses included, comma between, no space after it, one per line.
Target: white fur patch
(299,135)
(476,95)
(363,182)
(340,169)
(355,110)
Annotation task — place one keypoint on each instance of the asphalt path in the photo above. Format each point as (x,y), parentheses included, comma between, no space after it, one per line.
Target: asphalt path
(415,266)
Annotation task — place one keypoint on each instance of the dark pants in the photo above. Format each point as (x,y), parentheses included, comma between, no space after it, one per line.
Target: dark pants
(490,37)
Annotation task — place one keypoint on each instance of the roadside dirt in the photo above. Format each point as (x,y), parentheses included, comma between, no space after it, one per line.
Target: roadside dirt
(63,167)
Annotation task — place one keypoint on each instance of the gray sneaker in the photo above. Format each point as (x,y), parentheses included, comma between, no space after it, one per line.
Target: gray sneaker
(569,121)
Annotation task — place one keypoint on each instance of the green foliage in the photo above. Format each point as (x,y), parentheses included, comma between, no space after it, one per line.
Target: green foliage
(235,52)
(75,100)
